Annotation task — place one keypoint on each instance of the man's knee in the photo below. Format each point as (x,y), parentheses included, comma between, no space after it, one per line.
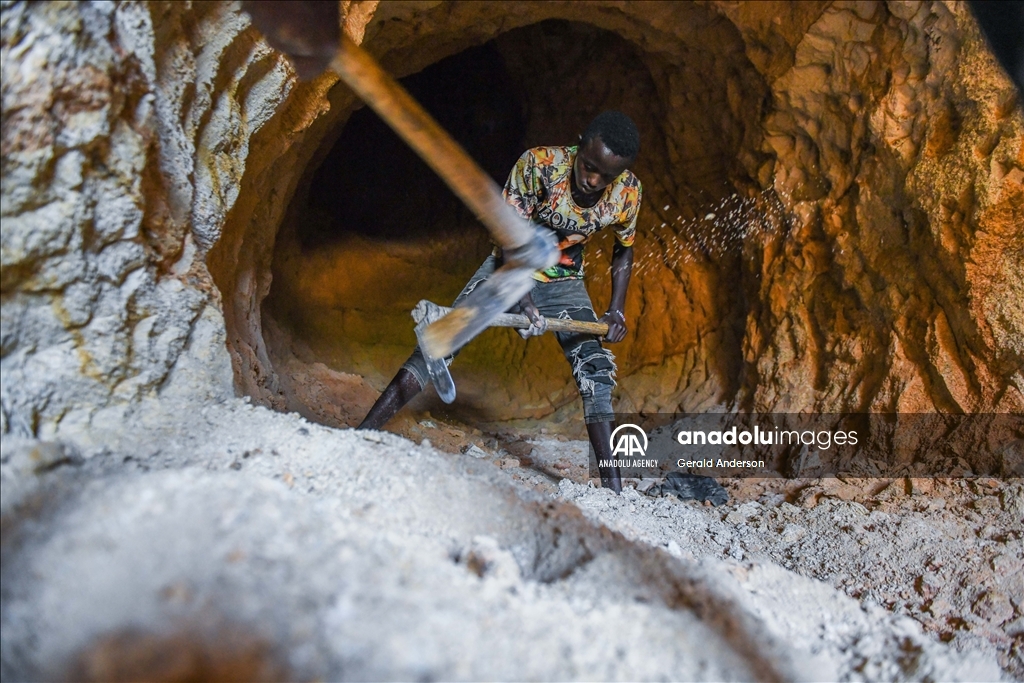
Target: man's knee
(593,368)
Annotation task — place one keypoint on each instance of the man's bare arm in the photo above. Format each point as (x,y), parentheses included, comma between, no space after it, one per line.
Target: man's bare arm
(622,269)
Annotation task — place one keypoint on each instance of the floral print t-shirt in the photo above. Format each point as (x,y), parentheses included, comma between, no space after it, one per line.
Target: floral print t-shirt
(538,188)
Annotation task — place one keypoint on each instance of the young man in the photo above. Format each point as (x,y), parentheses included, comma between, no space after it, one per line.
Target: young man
(574,192)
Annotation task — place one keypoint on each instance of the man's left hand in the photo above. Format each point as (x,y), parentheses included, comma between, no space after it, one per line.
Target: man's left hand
(538,323)
(616,321)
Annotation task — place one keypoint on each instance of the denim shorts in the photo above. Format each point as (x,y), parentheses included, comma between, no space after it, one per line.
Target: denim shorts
(593,367)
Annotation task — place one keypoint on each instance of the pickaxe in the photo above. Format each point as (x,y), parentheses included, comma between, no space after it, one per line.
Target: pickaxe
(310,33)
(426,312)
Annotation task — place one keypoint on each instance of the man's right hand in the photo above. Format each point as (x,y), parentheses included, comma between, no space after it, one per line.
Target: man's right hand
(538,323)
(616,321)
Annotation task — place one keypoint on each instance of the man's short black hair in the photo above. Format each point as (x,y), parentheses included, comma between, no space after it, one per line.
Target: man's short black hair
(617,131)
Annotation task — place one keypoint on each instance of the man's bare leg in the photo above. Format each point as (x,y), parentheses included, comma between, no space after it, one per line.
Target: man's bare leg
(600,434)
(401,390)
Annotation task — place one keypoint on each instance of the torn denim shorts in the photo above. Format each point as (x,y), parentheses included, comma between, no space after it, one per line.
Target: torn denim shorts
(593,367)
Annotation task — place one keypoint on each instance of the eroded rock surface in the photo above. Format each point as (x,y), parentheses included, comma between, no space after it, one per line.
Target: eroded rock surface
(832,195)
(125,130)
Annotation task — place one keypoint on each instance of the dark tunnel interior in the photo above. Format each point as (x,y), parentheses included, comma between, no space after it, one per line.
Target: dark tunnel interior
(373,185)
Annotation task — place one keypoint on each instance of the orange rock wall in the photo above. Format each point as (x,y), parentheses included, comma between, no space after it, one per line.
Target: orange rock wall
(876,148)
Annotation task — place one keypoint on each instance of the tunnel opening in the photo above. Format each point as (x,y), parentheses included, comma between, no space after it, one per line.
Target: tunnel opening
(374,231)
(373,185)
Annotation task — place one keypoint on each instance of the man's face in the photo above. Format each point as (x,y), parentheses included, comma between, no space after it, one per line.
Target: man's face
(596,166)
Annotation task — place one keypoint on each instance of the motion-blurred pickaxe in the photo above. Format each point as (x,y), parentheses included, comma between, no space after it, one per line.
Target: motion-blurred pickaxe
(310,33)
(426,312)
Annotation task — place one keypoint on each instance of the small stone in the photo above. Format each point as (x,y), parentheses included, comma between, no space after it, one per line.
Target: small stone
(940,607)
(1005,564)
(987,505)
(928,585)
(920,486)
(1015,628)
(1013,501)
(993,606)
(846,492)
(858,508)
(643,487)
(896,489)
(809,499)
(520,449)
(475,451)
(735,517)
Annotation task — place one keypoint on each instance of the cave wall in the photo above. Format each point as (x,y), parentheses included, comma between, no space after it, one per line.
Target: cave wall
(135,137)
(151,152)
(899,147)
(874,148)
(116,176)
(357,324)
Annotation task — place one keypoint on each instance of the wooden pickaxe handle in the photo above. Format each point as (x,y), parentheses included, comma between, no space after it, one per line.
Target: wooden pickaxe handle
(310,33)
(521,322)
(406,117)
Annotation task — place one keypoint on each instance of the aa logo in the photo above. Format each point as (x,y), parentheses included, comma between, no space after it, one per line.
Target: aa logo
(628,440)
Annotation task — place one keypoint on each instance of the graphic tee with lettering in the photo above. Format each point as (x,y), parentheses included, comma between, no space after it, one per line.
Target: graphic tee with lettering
(538,188)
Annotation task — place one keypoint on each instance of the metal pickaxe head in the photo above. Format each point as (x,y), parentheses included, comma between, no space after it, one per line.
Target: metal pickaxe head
(426,313)
(429,316)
